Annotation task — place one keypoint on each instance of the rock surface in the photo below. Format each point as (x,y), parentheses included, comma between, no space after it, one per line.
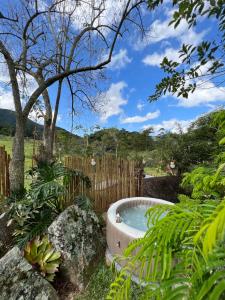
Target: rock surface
(77,235)
(18,280)
(164,187)
(6,240)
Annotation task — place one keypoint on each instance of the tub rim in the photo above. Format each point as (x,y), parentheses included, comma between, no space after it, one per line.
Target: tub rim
(126,229)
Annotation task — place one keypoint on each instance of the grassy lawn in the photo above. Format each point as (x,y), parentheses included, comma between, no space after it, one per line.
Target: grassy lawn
(154,171)
(7,142)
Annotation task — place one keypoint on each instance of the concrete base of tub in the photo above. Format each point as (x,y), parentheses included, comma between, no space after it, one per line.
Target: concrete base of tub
(119,235)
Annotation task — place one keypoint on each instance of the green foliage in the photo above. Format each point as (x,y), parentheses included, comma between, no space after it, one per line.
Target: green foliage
(98,286)
(8,124)
(208,181)
(41,255)
(83,202)
(45,199)
(182,255)
(121,143)
(199,144)
(208,54)
(205,183)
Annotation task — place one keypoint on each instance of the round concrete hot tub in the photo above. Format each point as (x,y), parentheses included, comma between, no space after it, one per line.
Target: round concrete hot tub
(120,230)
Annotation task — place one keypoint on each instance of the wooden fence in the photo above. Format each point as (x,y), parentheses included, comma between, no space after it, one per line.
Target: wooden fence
(112,179)
(4,172)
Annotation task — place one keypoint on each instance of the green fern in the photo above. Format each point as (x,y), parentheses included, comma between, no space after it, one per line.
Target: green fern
(181,256)
(212,229)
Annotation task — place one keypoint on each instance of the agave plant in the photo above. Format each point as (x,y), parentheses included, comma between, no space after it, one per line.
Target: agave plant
(41,255)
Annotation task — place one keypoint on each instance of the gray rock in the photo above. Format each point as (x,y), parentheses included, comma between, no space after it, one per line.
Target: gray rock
(6,239)
(77,235)
(18,280)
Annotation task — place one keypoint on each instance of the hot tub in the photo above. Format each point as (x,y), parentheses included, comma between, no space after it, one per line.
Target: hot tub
(120,234)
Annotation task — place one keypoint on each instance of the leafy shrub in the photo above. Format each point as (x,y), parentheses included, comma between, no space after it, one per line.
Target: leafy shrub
(182,256)
(205,183)
(83,202)
(98,286)
(41,255)
(46,198)
(208,181)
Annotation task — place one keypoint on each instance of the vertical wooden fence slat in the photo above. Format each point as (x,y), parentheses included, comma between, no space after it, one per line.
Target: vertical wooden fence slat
(112,179)
(4,173)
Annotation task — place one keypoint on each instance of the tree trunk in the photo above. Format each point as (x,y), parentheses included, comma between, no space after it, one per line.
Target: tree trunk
(16,170)
(48,141)
(17,162)
(47,154)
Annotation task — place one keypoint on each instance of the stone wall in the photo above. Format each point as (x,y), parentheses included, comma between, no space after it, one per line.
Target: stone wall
(164,187)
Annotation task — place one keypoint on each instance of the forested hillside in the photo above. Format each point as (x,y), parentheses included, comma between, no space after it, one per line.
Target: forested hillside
(195,146)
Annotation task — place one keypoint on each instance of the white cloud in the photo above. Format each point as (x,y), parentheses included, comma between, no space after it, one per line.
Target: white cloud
(192,37)
(141,119)
(207,94)
(6,99)
(140,106)
(161,31)
(83,12)
(6,102)
(110,102)
(156,58)
(36,116)
(172,125)
(120,60)
(4,74)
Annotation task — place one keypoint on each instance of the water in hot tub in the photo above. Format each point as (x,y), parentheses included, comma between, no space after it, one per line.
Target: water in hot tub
(135,217)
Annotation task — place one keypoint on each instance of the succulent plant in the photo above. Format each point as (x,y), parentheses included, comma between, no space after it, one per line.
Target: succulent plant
(42,256)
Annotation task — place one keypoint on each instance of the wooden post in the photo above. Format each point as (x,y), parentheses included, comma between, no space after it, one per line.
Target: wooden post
(4,173)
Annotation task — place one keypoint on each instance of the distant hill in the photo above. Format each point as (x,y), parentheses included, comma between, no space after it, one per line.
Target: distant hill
(110,140)
(8,126)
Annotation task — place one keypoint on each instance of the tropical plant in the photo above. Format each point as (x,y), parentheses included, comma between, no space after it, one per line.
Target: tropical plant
(207,181)
(182,255)
(196,146)
(46,198)
(42,256)
(83,202)
(199,65)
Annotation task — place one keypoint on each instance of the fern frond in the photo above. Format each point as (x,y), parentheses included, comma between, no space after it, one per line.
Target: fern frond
(120,288)
(212,230)
(155,252)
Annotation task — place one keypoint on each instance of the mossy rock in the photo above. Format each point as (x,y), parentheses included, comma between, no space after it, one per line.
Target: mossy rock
(19,281)
(77,234)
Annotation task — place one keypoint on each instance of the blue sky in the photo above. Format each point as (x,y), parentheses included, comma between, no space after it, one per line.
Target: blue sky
(132,76)
(134,73)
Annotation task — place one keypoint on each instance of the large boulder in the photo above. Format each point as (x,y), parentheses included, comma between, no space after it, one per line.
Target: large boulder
(6,238)
(163,187)
(78,236)
(18,280)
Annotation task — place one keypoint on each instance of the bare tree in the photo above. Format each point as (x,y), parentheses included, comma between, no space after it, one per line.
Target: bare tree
(46,43)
